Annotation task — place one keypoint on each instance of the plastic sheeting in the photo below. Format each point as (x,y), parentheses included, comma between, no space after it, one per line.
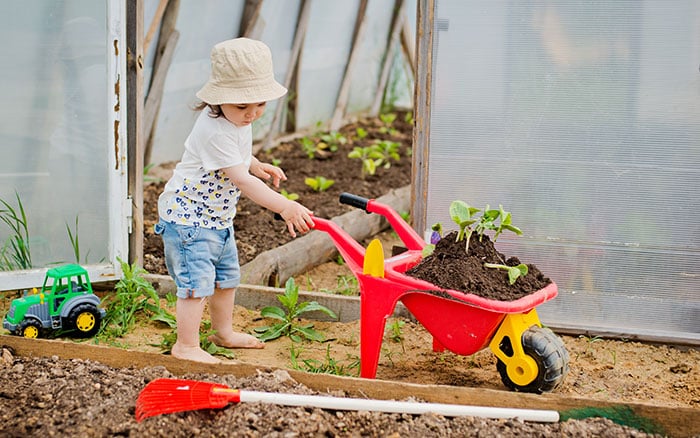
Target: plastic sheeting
(583,120)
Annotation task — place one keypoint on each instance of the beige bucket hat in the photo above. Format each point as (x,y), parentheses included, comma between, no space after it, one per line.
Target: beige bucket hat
(241,72)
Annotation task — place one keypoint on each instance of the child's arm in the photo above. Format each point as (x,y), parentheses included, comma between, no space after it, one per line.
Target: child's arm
(294,214)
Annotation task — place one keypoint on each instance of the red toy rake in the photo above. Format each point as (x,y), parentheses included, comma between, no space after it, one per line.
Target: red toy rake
(164,396)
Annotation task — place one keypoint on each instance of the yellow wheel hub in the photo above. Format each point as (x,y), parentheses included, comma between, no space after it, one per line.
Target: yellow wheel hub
(522,369)
(31,332)
(85,322)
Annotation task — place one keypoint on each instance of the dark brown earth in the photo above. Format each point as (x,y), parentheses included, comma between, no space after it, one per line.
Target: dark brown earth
(50,397)
(450,266)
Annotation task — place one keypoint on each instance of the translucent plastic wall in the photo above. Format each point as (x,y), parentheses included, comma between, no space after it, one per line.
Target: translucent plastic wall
(322,64)
(583,120)
(57,131)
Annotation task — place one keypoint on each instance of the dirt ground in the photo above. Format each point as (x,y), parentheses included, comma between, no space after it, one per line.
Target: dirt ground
(53,397)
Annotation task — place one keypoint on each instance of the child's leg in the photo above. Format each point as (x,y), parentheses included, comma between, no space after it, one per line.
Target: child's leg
(221,313)
(189,316)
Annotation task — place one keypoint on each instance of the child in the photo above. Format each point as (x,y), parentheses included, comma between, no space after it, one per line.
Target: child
(198,203)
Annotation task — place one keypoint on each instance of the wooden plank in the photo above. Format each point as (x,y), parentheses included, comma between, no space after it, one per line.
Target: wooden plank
(386,65)
(299,36)
(154,25)
(344,92)
(669,420)
(135,143)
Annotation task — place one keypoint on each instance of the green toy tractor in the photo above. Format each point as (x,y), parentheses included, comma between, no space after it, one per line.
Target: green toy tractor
(65,302)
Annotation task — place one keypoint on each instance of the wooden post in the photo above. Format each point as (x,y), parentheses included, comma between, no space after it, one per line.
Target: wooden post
(299,35)
(134,131)
(344,93)
(386,67)
(422,100)
(250,26)
(167,40)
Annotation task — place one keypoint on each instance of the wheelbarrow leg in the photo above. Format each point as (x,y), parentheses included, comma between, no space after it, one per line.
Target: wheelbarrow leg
(377,301)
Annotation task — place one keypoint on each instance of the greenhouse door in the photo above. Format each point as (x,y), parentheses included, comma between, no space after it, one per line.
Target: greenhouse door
(62,136)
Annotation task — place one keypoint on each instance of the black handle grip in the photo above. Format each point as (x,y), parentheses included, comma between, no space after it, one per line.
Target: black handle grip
(354,200)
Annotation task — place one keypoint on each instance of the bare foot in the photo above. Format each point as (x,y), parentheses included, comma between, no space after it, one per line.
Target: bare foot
(192,353)
(236,340)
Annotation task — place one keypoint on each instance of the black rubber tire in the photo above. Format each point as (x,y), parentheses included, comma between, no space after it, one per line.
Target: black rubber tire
(33,325)
(81,311)
(548,350)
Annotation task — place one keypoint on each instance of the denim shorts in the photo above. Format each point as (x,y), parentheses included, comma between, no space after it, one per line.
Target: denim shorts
(200,259)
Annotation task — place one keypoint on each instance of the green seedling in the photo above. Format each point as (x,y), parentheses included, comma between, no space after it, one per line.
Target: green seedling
(319,184)
(370,157)
(463,215)
(290,196)
(514,272)
(328,366)
(276,162)
(333,140)
(361,133)
(387,149)
(17,244)
(133,295)
(396,333)
(488,222)
(387,120)
(288,315)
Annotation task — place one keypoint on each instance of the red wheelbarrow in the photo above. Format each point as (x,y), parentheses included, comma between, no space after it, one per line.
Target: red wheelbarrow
(530,358)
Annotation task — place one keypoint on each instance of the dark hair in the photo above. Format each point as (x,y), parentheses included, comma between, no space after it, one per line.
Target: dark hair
(214,110)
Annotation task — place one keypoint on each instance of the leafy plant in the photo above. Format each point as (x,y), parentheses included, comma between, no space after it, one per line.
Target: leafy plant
(17,244)
(133,295)
(332,140)
(290,196)
(75,241)
(388,149)
(396,333)
(370,157)
(361,133)
(387,120)
(464,216)
(514,272)
(319,184)
(287,316)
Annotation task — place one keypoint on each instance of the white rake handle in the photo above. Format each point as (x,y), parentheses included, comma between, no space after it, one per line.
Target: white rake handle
(401,407)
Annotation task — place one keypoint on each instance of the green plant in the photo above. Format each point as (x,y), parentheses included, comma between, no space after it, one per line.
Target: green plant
(75,241)
(319,184)
(133,295)
(290,196)
(514,272)
(464,216)
(370,157)
(396,333)
(327,366)
(18,242)
(361,133)
(388,149)
(288,316)
(332,140)
(345,285)
(276,162)
(387,120)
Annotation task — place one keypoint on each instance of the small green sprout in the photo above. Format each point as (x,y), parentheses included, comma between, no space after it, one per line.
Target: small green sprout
(290,196)
(319,184)
(514,272)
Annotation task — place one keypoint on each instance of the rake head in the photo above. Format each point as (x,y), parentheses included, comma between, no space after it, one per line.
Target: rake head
(165,396)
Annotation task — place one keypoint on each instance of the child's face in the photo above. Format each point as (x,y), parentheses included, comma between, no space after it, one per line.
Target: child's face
(242,114)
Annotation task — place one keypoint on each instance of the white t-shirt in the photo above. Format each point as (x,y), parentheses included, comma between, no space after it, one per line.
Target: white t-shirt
(199,194)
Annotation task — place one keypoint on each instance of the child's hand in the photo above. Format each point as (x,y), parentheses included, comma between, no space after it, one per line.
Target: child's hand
(297,216)
(267,171)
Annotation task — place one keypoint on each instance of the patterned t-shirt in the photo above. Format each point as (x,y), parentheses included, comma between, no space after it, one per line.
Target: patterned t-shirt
(199,194)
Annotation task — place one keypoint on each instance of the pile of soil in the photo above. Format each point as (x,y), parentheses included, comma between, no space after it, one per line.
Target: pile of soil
(452,266)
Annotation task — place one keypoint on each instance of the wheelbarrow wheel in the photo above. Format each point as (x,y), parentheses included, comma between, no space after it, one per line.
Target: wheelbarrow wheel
(551,356)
